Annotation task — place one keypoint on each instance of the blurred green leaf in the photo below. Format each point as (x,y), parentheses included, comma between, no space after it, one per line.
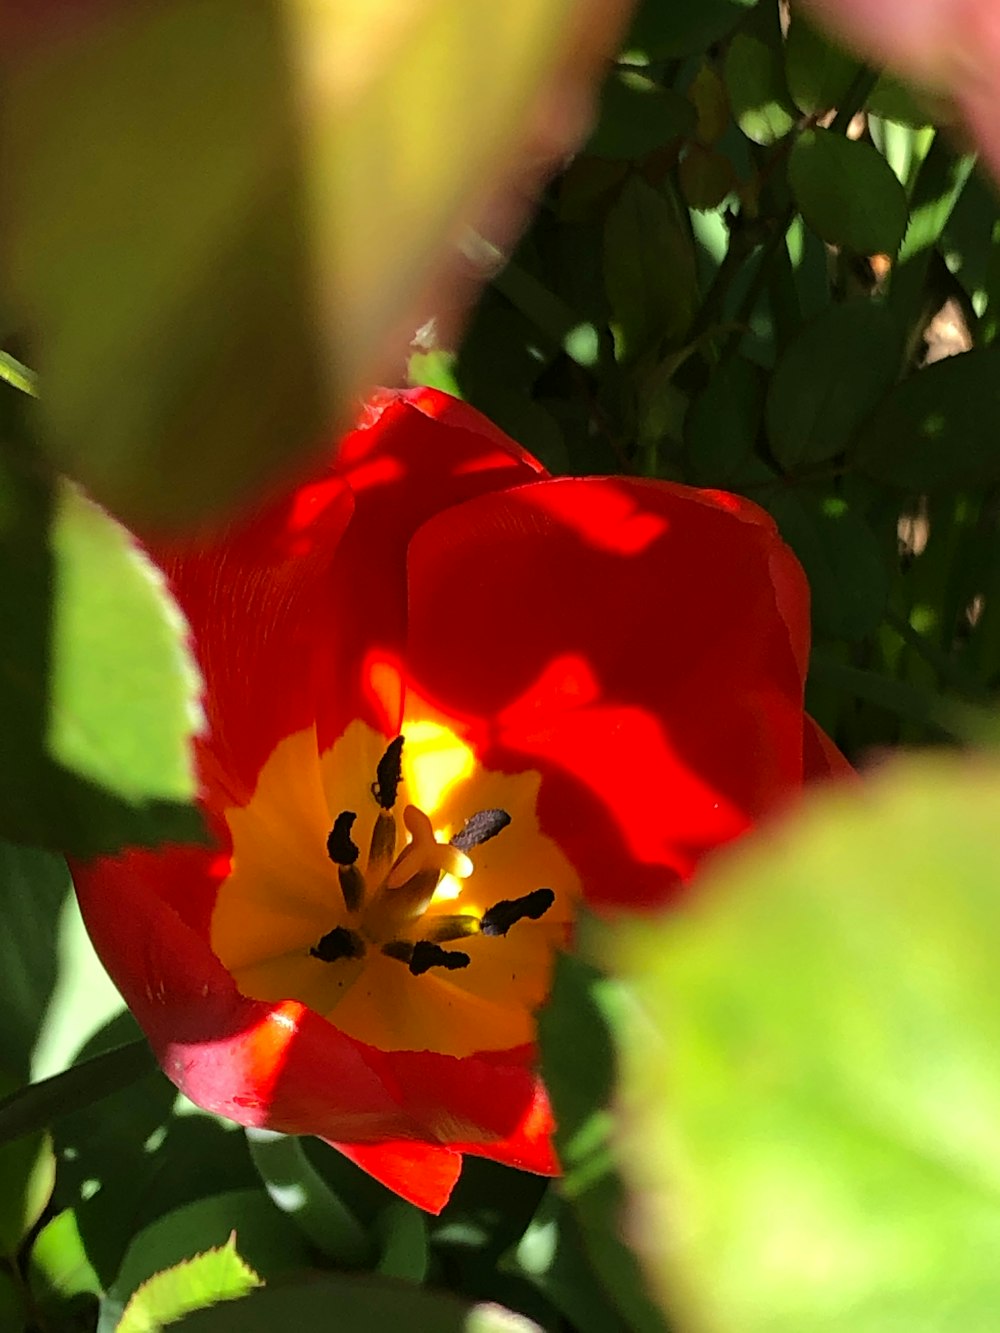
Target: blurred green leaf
(829,379)
(220,218)
(27,1175)
(682,27)
(819,73)
(818,1147)
(637,117)
(938,427)
(58,1268)
(194,1284)
(705,177)
(33,887)
(578,1065)
(13,1312)
(847,192)
(649,269)
(755,81)
(98,691)
(371,1304)
(39,1104)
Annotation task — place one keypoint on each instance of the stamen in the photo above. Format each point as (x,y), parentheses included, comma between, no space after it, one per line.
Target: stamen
(506,913)
(383,847)
(389,774)
(424,955)
(337,944)
(426,853)
(339,845)
(445,928)
(483,825)
(352,886)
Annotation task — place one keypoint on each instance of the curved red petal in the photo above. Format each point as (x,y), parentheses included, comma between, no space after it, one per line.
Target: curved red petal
(256,598)
(420,1173)
(270,1064)
(280,1065)
(626,639)
(414,454)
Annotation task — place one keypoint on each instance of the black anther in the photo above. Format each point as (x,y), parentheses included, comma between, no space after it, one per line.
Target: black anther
(337,944)
(389,774)
(339,845)
(482,826)
(506,913)
(427,955)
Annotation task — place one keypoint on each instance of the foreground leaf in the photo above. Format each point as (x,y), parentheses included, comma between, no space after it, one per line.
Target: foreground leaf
(98,691)
(812,1090)
(224,221)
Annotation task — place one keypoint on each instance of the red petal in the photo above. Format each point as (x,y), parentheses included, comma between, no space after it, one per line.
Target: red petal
(280,1065)
(413,455)
(628,640)
(418,1172)
(256,600)
(274,1065)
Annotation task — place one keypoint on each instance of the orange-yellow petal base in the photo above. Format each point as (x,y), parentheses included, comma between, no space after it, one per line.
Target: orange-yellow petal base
(283,893)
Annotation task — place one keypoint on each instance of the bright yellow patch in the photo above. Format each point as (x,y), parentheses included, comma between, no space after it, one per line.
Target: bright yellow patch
(283,894)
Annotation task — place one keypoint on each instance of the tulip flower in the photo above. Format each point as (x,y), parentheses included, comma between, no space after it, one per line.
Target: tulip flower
(448,699)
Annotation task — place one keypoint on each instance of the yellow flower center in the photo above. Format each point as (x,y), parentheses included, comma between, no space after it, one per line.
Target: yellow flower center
(418,911)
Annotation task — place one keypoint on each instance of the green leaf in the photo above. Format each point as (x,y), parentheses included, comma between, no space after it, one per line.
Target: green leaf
(551,1256)
(649,269)
(705,176)
(39,1104)
(371,1304)
(33,888)
(818,1147)
(847,574)
(578,1065)
(682,27)
(125,729)
(721,427)
(755,81)
(404,1254)
(195,1284)
(265,1240)
(298,1190)
(819,73)
(58,1267)
(17,374)
(829,379)
(98,691)
(847,192)
(637,117)
(215,255)
(27,1176)
(938,427)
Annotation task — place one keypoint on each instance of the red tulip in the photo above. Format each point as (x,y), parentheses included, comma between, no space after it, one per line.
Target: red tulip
(558,689)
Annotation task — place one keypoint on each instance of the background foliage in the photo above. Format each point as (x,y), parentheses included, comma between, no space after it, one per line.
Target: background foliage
(770,270)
